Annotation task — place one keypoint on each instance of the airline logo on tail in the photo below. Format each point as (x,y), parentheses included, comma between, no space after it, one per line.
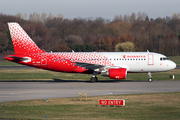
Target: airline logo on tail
(21,41)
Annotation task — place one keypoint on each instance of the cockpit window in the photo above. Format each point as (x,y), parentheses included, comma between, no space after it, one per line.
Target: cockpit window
(163,58)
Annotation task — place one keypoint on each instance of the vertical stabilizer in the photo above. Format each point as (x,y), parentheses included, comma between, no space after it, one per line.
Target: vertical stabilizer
(21,41)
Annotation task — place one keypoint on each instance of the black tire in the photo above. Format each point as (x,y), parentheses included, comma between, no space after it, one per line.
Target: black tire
(150,79)
(93,79)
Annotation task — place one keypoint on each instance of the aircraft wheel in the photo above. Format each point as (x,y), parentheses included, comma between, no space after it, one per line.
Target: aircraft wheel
(150,79)
(93,79)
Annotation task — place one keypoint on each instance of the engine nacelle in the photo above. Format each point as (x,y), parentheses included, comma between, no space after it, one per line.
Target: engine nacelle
(116,73)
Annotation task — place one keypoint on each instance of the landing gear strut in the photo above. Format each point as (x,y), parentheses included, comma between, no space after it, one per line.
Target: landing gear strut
(150,77)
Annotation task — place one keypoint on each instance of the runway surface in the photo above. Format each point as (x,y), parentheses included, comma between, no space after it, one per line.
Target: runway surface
(15,91)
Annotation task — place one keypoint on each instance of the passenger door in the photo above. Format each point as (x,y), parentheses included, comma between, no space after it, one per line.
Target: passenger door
(150,59)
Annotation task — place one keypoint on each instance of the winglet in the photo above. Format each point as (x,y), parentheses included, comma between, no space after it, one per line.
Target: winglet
(21,41)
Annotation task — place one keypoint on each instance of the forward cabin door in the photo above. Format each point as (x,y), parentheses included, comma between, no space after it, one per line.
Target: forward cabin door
(150,59)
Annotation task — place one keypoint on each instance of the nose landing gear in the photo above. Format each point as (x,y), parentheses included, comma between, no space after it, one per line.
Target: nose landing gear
(150,77)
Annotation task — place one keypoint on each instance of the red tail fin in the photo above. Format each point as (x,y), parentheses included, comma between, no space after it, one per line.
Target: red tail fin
(21,41)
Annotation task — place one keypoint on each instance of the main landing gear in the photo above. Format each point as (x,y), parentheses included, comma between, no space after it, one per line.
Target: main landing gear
(150,77)
(94,79)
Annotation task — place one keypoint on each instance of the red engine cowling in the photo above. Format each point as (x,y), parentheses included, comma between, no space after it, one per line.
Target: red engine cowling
(119,73)
(116,73)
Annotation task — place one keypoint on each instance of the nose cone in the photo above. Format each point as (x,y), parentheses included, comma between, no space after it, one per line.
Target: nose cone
(172,65)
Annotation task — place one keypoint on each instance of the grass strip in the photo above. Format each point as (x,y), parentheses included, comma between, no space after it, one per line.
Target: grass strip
(8,63)
(40,75)
(159,106)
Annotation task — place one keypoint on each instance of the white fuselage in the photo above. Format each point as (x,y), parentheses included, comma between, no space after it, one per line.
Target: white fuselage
(140,61)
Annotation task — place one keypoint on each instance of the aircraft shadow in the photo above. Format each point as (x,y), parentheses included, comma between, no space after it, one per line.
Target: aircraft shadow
(99,81)
(80,81)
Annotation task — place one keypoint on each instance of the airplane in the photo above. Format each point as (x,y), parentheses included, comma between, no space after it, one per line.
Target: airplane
(114,65)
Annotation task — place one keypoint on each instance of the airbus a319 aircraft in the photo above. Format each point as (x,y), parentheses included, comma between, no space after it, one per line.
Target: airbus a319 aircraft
(114,65)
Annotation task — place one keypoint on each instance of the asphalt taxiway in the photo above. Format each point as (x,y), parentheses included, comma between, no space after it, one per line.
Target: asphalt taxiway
(15,91)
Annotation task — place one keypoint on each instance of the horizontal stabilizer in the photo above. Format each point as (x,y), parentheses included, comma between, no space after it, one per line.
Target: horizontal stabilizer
(16,58)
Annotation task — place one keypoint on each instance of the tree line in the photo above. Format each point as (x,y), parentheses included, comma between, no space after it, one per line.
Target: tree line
(135,32)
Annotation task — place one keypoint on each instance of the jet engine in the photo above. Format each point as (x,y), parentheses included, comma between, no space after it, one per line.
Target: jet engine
(115,73)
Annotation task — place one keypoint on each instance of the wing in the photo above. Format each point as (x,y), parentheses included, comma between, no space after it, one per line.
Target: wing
(95,67)
(89,66)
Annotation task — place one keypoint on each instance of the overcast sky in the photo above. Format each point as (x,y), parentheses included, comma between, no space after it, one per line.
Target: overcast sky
(91,8)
